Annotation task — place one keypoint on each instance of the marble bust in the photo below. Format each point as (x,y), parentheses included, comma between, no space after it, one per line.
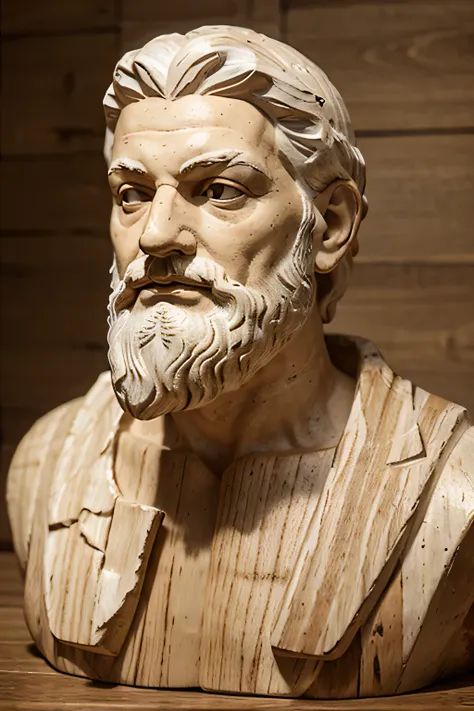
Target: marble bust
(243,503)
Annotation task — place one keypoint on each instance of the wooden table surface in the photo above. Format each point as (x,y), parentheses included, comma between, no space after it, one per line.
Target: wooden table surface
(28,682)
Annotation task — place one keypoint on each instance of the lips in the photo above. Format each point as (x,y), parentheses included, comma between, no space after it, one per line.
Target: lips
(146,289)
(170,285)
(173,282)
(147,292)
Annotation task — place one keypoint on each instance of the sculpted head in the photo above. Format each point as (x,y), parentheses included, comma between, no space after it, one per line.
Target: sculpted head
(238,193)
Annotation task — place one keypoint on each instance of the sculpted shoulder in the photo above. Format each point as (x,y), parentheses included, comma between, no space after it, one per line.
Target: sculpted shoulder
(44,440)
(437,576)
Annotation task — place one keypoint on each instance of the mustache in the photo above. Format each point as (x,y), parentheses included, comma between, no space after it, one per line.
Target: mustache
(147,270)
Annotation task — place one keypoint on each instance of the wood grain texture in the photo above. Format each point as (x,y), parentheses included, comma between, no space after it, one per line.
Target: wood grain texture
(27,682)
(140,24)
(25,465)
(52,93)
(453,501)
(13,628)
(266,506)
(281,523)
(72,277)
(31,692)
(11,589)
(398,65)
(319,614)
(382,643)
(162,646)
(31,17)
(22,657)
(169,634)
(402,67)
(67,195)
(393,66)
(340,677)
(106,575)
(421,316)
(419,190)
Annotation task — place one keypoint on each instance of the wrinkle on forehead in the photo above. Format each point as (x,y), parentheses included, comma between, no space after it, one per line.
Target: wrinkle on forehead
(191,113)
(165,130)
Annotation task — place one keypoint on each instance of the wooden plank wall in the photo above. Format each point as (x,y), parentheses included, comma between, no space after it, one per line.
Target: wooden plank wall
(57,60)
(405,70)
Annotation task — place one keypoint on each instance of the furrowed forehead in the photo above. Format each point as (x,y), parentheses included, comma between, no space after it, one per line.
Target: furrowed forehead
(191,113)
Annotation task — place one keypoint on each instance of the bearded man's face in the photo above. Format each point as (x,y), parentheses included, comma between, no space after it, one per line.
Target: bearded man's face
(213,252)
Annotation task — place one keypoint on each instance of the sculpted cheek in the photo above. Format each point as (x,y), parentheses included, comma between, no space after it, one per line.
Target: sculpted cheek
(125,241)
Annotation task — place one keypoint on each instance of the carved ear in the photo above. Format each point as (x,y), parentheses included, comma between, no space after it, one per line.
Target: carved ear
(341,206)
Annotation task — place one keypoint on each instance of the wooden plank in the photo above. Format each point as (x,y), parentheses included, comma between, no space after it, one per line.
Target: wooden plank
(64,194)
(11,589)
(420,197)
(29,691)
(34,17)
(12,621)
(52,92)
(441,593)
(266,507)
(24,656)
(365,514)
(398,65)
(143,22)
(61,287)
(49,378)
(382,641)
(265,16)
(415,306)
(421,316)
(6,454)
(150,11)
(71,277)
(27,682)
(25,256)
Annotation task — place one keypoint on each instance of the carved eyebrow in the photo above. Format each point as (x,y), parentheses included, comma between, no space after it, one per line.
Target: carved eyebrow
(130,166)
(207,160)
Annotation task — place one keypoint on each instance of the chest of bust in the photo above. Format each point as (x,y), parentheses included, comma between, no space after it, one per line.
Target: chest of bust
(218,569)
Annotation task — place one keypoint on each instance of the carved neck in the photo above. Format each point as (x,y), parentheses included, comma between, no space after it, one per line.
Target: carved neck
(297,402)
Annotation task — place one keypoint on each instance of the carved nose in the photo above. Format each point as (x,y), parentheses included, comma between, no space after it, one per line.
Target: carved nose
(168,230)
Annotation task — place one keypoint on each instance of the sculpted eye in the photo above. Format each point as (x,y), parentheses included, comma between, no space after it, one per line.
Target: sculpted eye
(223,192)
(132,198)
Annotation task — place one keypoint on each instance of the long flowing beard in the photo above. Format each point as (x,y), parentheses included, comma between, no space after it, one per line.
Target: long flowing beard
(169,358)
